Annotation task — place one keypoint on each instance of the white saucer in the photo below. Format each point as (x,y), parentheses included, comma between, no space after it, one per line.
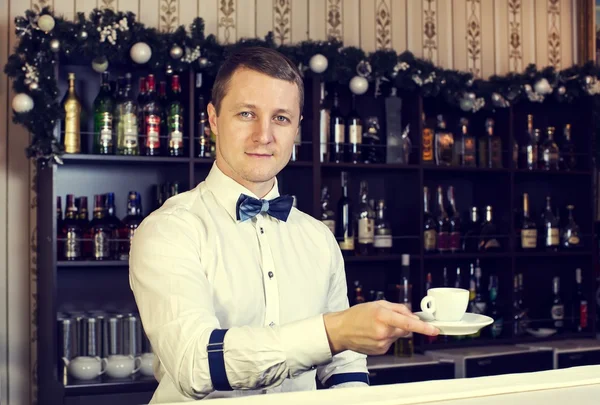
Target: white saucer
(541,332)
(468,325)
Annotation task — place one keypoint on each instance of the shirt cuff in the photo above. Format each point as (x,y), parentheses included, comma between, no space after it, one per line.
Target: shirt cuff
(306,344)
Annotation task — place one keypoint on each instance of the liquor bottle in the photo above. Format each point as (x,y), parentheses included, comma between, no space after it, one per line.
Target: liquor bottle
(371,142)
(551,231)
(529,155)
(104,107)
(443,224)
(571,235)
(472,232)
(60,244)
(71,232)
(472,288)
(567,154)
(327,215)
(366,222)
(127,122)
(338,131)
(344,226)
(203,130)
(445,279)
(141,101)
(550,151)
(579,305)
(130,223)
(488,239)
(455,223)
(529,233)
(464,146)
(518,313)
(479,303)
(152,120)
(143,91)
(354,134)
(83,217)
(427,138)
(175,119)
(383,231)
(429,225)
(557,311)
(324,126)
(490,147)
(164,102)
(404,346)
(444,144)
(100,231)
(72,107)
(114,223)
(494,312)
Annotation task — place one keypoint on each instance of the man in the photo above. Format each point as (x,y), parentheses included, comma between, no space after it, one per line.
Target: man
(239,293)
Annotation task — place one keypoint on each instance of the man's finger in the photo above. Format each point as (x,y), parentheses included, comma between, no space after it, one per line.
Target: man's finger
(398,308)
(407,323)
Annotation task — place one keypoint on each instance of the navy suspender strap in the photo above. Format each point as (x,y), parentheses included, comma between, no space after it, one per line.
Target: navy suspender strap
(216,361)
(346,378)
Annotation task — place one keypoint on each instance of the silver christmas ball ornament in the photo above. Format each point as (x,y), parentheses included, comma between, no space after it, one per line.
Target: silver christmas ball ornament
(176,52)
(318,63)
(82,35)
(542,86)
(203,62)
(33,86)
(140,53)
(55,45)
(466,104)
(22,103)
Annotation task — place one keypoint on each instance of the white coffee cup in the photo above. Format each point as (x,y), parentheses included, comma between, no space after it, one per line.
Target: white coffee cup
(147,364)
(446,304)
(85,368)
(121,366)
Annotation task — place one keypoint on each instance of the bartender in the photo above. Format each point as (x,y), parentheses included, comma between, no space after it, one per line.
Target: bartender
(239,292)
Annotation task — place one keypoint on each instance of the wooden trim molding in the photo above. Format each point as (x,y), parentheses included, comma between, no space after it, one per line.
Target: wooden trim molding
(586,32)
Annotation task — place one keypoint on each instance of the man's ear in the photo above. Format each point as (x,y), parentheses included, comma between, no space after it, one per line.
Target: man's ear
(212,118)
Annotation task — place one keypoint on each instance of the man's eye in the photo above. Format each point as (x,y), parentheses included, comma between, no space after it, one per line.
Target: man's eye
(245,114)
(281,118)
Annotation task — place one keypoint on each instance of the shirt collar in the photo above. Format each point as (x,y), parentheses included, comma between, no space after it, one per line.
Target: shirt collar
(227,191)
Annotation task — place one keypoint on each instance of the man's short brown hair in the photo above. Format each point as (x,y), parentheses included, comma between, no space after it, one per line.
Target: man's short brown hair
(260,59)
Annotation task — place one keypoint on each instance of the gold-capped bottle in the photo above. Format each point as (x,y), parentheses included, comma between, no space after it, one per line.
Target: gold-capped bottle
(72,106)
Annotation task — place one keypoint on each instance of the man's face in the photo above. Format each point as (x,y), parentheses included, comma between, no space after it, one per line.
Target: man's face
(257,122)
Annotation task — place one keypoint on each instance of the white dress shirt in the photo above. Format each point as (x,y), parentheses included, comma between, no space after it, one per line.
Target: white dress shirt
(194,268)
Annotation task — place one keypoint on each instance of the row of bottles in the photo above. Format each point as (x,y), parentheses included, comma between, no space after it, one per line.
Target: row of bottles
(446,232)
(547,233)
(105,237)
(365,232)
(152,124)
(442,147)
(535,153)
(347,138)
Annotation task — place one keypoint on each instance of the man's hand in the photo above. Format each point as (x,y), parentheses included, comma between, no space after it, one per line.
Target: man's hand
(372,327)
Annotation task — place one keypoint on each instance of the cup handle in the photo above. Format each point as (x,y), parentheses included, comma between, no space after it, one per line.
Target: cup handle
(103,365)
(137,360)
(428,304)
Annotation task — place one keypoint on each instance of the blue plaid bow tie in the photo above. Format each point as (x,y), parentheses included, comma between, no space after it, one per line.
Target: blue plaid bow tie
(248,207)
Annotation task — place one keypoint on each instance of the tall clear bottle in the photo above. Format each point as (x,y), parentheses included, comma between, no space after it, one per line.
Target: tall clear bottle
(355,133)
(443,224)
(127,124)
(344,224)
(338,131)
(550,154)
(72,126)
(324,126)
(455,223)
(104,108)
(551,227)
(366,222)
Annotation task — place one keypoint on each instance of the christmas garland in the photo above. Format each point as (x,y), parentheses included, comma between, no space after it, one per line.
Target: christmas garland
(107,38)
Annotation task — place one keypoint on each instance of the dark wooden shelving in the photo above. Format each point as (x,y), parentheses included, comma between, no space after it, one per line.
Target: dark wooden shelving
(462,169)
(92,263)
(462,255)
(553,172)
(560,253)
(111,386)
(368,166)
(83,158)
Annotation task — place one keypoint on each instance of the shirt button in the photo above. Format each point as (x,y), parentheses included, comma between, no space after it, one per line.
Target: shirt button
(271,274)
(272,324)
(262,230)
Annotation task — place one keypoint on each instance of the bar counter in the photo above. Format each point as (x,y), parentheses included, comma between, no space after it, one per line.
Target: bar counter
(576,385)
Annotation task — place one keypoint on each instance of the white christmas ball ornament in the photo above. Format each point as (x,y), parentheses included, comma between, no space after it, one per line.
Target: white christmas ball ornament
(359,85)
(140,53)
(100,64)
(46,23)
(318,63)
(542,86)
(22,103)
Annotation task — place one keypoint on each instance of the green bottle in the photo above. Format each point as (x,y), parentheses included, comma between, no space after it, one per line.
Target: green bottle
(104,106)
